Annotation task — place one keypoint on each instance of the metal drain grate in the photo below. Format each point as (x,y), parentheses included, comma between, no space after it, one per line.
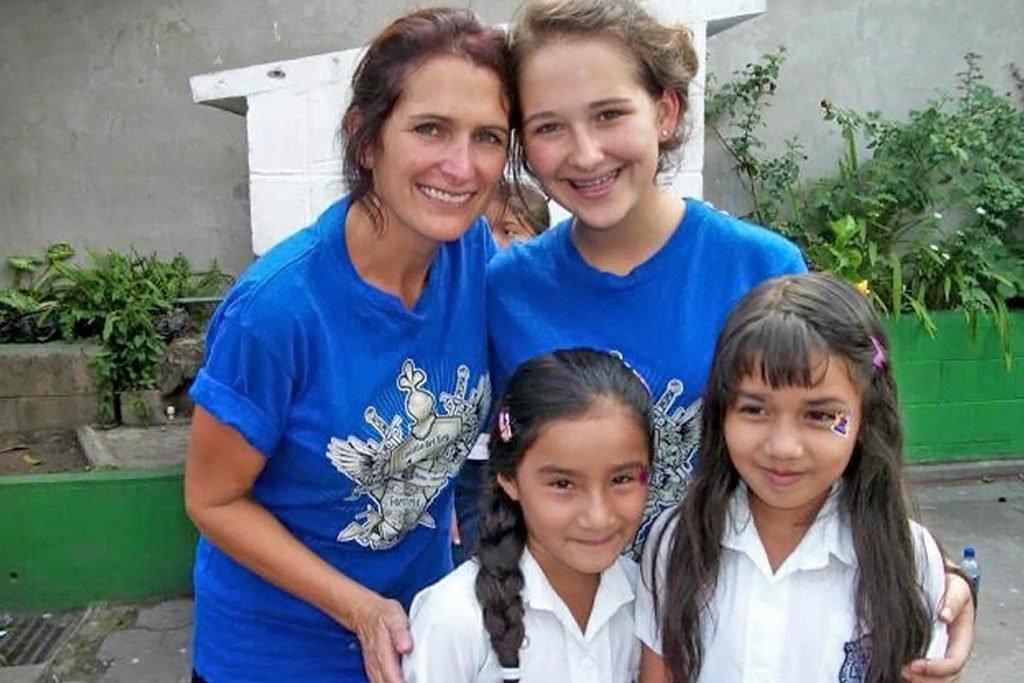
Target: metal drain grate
(30,639)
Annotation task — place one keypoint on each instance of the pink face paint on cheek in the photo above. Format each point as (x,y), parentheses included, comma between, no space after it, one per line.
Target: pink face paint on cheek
(645,476)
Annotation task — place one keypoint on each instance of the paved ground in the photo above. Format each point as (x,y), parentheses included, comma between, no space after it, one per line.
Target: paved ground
(150,643)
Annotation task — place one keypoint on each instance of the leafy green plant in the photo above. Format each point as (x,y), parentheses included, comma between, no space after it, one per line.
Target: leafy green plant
(927,210)
(28,307)
(121,299)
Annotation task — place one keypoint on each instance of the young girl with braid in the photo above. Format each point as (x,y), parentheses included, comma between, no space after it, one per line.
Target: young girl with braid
(548,596)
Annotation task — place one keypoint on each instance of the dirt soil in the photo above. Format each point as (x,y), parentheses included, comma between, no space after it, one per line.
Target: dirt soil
(39,452)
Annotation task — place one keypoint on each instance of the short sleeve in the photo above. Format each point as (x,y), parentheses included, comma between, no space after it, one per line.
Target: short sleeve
(243,384)
(931,568)
(648,626)
(449,643)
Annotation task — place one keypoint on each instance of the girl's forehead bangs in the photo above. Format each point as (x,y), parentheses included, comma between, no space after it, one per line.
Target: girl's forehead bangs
(781,348)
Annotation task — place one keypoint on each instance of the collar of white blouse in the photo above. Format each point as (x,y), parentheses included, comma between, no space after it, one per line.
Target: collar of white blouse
(827,537)
(614,591)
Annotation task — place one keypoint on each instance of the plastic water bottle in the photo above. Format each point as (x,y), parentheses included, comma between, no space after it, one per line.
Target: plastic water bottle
(970,566)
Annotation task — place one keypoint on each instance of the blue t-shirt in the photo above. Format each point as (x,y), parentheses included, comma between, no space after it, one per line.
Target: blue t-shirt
(663,317)
(365,411)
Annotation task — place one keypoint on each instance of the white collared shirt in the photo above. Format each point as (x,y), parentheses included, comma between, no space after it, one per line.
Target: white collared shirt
(451,645)
(797,625)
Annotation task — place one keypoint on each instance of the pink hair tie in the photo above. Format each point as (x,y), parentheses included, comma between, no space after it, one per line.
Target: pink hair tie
(879,360)
(505,425)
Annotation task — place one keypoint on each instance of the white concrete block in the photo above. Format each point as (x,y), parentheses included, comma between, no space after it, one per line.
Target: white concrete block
(686,184)
(279,139)
(278,207)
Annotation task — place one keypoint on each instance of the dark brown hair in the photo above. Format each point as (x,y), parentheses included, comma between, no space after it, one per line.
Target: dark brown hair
(555,386)
(780,330)
(664,54)
(379,80)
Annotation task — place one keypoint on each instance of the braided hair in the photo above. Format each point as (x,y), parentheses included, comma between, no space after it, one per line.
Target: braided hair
(553,386)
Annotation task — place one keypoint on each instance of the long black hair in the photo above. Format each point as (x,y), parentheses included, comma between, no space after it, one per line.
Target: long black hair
(554,386)
(779,331)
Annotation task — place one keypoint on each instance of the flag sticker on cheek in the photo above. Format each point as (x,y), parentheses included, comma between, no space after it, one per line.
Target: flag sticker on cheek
(841,424)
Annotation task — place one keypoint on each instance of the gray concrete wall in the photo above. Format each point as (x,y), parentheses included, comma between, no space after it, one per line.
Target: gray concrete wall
(889,55)
(101,146)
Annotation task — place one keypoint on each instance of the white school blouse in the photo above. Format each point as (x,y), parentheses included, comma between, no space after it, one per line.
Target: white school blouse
(796,625)
(450,644)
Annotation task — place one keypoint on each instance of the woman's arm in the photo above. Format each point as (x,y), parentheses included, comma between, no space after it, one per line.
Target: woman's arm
(220,470)
(952,604)
(957,612)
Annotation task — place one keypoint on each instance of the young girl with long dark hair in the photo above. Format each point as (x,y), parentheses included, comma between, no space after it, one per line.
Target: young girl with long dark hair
(814,570)
(548,596)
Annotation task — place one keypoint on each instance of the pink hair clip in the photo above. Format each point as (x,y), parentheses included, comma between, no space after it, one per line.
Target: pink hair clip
(879,360)
(505,425)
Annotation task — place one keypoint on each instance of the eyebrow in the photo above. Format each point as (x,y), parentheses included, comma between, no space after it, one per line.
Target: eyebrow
(449,121)
(554,469)
(593,105)
(824,400)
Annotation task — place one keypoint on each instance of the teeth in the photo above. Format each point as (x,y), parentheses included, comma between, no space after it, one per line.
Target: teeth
(586,184)
(448,197)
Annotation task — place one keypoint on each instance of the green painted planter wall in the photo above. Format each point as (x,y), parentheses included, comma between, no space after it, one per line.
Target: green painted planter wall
(959,401)
(70,539)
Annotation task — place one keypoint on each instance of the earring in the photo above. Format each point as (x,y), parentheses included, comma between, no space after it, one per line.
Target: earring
(664,135)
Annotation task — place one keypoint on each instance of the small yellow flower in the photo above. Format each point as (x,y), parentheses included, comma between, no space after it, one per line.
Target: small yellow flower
(863,288)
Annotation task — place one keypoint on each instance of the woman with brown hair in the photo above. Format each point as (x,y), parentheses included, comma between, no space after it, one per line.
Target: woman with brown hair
(346,378)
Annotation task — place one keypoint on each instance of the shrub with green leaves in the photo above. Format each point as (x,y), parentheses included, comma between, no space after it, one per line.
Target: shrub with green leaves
(928,211)
(120,299)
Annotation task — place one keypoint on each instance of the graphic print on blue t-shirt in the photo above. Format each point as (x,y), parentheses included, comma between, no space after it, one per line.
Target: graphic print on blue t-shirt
(405,469)
(676,431)
(663,317)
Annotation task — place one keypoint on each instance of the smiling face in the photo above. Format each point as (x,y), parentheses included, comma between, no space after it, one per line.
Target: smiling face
(791,444)
(442,150)
(591,130)
(582,488)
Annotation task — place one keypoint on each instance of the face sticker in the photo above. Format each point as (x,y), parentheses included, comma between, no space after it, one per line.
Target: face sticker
(841,424)
(645,476)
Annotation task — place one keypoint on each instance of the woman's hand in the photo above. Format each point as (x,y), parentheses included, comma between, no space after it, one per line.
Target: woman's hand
(957,612)
(383,631)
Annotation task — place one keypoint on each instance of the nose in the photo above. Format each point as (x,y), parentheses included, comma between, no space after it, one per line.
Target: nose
(586,152)
(599,512)
(456,163)
(784,440)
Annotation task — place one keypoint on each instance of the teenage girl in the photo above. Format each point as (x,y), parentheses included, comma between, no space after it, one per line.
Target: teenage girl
(603,88)
(813,570)
(548,596)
